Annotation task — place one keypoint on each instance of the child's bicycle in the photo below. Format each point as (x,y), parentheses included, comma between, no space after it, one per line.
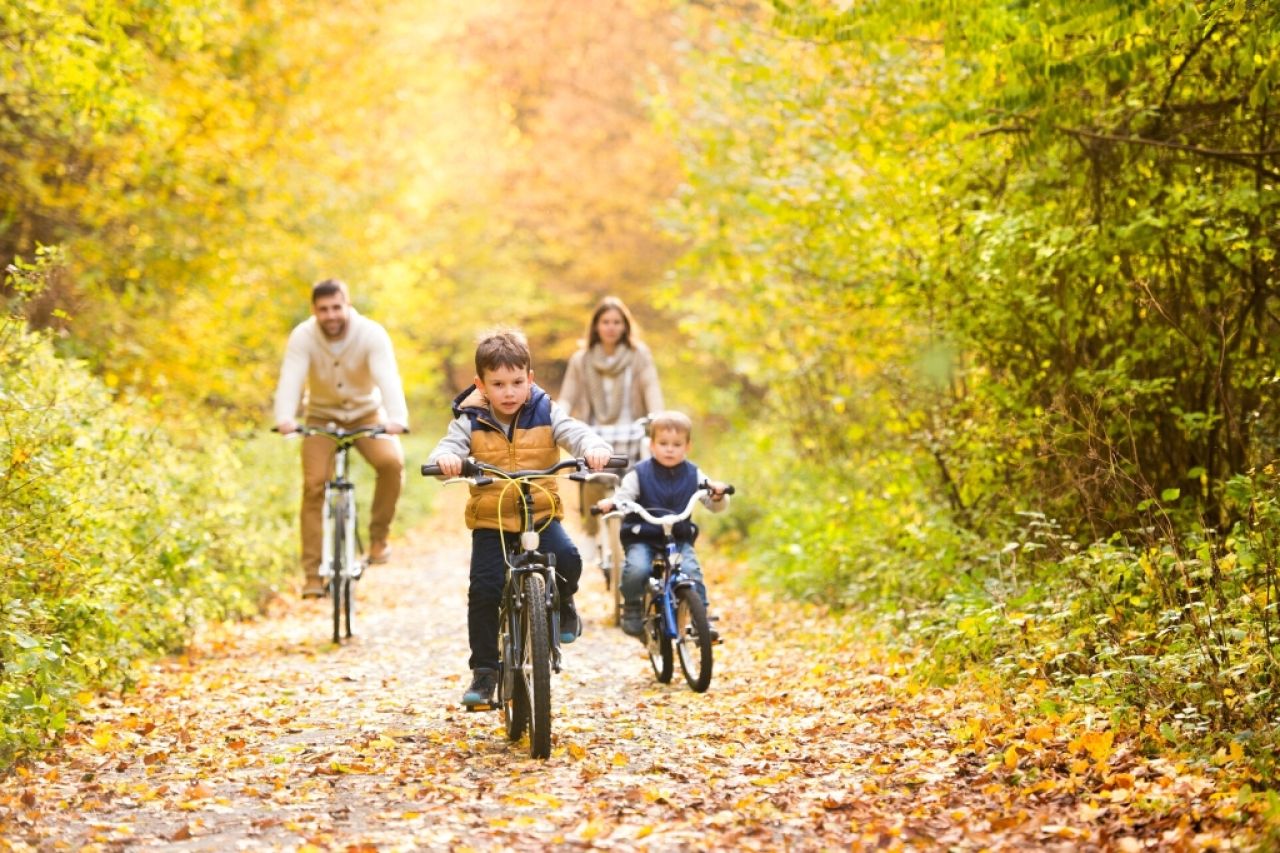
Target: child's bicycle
(529,612)
(673,611)
(342,557)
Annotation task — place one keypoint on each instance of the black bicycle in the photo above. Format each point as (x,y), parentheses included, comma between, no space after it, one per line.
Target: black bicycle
(674,615)
(342,555)
(529,612)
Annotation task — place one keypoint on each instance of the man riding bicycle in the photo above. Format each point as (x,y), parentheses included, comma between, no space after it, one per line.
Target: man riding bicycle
(348,369)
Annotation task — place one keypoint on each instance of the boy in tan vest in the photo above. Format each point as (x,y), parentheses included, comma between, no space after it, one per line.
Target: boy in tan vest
(514,426)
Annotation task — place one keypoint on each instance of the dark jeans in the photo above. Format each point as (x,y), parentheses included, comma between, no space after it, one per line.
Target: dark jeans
(489,573)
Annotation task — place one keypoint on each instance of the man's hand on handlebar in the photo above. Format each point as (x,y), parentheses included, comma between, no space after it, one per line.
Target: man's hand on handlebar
(394,429)
(286,427)
(597,460)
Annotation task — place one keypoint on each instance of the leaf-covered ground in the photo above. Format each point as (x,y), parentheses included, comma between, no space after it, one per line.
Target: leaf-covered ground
(268,737)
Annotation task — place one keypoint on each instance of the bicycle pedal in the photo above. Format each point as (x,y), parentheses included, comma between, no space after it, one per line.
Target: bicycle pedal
(471,708)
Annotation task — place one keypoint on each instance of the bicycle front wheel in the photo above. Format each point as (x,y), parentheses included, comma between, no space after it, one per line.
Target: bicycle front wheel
(693,639)
(656,640)
(338,581)
(535,668)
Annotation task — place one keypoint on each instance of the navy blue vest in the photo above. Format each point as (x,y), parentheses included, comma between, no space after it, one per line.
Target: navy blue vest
(663,491)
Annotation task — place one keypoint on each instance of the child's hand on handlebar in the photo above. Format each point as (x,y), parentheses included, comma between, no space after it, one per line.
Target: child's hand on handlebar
(450,464)
(717,489)
(597,459)
(605,506)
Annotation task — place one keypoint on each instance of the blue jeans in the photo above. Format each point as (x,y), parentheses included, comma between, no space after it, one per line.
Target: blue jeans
(489,574)
(638,570)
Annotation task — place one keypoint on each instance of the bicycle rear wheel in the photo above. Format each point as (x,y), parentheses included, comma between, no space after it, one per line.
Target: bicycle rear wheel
(511,687)
(656,640)
(693,639)
(535,665)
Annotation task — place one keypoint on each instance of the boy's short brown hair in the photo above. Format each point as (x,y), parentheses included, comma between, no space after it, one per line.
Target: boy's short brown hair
(677,422)
(502,348)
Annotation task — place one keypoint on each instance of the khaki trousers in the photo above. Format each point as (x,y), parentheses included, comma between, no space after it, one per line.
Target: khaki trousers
(386,456)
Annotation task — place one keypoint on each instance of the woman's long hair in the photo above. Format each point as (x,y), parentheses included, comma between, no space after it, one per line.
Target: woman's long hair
(612,303)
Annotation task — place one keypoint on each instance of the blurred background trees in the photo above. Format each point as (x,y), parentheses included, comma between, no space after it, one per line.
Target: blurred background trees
(977,301)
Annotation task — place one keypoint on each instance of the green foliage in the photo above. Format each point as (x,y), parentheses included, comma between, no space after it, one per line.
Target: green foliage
(117,521)
(1001,281)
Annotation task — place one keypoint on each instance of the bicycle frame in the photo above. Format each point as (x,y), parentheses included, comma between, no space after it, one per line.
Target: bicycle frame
(669,558)
(341,552)
(339,502)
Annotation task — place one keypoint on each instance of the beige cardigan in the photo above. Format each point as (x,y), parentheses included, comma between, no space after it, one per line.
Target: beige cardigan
(646,393)
(358,380)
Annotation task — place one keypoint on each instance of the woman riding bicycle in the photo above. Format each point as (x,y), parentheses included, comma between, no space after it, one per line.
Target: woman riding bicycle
(611,382)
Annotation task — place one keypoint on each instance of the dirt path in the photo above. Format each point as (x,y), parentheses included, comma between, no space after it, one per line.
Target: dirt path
(269,738)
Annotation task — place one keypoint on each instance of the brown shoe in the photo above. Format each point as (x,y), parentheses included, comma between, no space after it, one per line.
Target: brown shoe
(314,587)
(380,552)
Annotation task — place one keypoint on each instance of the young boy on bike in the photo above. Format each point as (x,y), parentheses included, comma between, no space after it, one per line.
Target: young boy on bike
(662,484)
(507,421)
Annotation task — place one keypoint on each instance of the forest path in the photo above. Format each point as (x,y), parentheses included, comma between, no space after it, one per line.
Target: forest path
(266,736)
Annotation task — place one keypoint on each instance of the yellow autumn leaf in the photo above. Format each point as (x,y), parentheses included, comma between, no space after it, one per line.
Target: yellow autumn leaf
(1039,733)
(1011,758)
(102,737)
(619,760)
(1098,744)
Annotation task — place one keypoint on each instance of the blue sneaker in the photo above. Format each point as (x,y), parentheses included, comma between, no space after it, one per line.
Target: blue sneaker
(570,624)
(480,694)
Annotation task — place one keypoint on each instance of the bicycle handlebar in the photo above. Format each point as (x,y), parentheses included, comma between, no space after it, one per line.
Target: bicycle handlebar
(338,434)
(627,507)
(473,469)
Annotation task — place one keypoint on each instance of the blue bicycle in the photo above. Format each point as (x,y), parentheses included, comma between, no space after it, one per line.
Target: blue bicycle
(674,615)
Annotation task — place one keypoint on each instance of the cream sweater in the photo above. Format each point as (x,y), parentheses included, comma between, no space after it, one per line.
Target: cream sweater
(345,380)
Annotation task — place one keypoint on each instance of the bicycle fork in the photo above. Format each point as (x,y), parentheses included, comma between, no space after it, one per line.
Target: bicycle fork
(545,565)
(666,592)
(338,508)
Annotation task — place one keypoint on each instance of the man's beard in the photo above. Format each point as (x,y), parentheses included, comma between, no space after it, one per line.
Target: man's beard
(338,329)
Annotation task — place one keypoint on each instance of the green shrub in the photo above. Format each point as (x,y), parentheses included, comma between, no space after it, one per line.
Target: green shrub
(125,526)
